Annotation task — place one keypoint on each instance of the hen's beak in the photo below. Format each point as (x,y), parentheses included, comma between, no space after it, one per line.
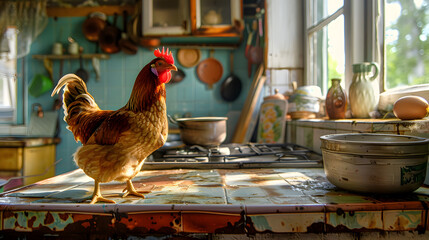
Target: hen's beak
(172,67)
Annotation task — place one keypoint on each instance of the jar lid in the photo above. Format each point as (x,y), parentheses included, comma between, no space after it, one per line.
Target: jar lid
(277,95)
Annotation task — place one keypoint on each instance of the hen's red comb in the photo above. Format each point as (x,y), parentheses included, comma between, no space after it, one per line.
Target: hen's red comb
(166,55)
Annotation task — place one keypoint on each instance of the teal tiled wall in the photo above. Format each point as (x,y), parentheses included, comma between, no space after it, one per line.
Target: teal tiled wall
(117,78)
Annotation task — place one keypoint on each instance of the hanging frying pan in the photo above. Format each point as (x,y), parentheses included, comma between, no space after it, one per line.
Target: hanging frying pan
(231,86)
(210,71)
(109,38)
(177,76)
(93,25)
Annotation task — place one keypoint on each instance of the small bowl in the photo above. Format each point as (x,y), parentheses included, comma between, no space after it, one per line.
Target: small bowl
(375,163)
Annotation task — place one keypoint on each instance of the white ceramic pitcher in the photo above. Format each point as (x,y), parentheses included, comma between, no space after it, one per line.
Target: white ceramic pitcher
(364,90)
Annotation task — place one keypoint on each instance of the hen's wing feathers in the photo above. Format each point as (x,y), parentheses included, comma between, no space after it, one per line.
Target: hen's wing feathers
(111,128)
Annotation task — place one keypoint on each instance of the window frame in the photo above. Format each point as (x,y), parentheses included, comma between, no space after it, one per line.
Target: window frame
(360,38)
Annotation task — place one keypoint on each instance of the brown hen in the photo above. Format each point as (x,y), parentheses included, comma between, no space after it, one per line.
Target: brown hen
(116,143)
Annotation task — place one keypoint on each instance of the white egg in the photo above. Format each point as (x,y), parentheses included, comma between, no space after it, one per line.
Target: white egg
(410,107)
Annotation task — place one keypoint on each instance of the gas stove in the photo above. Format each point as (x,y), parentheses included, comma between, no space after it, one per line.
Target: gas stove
(229,156)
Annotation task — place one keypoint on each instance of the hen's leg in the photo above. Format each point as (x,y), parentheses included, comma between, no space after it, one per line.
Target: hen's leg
(96,196)
(131,190)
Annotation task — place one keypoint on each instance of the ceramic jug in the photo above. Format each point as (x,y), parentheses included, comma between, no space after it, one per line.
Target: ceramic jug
(364,90)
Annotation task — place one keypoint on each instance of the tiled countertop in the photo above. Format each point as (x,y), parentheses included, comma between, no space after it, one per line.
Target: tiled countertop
(241,201)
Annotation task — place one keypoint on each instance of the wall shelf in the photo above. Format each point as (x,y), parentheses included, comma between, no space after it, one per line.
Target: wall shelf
(68,57)
(85,11)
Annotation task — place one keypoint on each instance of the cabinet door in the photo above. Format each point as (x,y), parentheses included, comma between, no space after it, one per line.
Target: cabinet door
(166,17)
(217,16)
(38,161)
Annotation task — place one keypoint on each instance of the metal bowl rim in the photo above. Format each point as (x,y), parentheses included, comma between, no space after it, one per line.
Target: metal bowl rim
(416,140)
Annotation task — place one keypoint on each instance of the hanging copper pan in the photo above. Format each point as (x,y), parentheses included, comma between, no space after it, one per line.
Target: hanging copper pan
(210,71)
(109,38)
(93,25)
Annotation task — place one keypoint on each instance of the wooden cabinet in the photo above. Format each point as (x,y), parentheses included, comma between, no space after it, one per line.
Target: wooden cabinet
(27,157)
(166,17)
(220,18)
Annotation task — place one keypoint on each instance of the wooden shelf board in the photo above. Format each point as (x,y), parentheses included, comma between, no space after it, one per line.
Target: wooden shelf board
(67,57)
(85,11)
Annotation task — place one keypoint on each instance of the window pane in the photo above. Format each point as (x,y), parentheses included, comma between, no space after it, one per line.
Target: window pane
(8,82)
(216,12)
(325,8)
(336,50)
(328,57)
(169,13)
(406,41)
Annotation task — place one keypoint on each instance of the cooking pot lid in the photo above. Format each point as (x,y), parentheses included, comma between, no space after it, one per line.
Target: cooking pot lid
(210,71)
(188,57)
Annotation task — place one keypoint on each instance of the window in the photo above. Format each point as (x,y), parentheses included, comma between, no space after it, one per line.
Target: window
(341,33)
(8,83)
(406,42)
(325,42)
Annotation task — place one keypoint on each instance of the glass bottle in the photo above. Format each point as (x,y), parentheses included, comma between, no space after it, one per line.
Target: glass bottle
(336,100)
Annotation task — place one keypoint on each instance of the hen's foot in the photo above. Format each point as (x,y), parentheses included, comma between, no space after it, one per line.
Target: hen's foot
(99,198)
(130,190)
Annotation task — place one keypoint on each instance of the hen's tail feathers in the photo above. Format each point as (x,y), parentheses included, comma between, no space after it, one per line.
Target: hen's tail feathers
(75,97)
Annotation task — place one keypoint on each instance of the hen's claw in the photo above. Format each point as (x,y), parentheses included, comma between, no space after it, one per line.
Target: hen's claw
(97,197)
(130,190)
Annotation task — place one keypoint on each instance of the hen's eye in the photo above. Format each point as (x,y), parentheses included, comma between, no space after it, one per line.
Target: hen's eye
(159,63)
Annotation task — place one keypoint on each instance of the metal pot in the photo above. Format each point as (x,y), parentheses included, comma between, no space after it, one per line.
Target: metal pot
(375,163)
(204,131)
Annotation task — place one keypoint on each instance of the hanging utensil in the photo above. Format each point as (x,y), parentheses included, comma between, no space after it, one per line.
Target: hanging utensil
(125,44)
(109,37)
(249,47)
(93,26)
(188,57)
(48,64)
(231,86)
(177,76)
(81,72)
(39,85)
(96,66)
(255,52)
(210,70)
(133,26)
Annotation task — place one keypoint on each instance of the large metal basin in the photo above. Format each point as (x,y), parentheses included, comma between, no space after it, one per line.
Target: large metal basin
(375,163)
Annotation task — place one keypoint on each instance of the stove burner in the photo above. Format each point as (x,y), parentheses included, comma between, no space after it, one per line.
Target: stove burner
(234,156)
